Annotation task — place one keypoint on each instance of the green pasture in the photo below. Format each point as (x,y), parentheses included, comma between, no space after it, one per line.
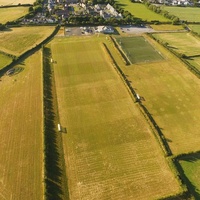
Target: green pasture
(21,129)
(195,61)
(138,50)
(15,2)
(18,40)
(111,152)
(139,10)
(4,60)
(12,13)
(167,27)
(183,43)
(189,14)
(191,168)
(195,28)
(171,94)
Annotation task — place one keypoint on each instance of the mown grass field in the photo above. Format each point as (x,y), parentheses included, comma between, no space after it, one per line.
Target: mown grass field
(171,94)
(10,14)
(138,50)
(167,27)
(195,61)
(191,167)
(11,41)
(110,150)
(139,10)
(183,43)
(189,14)
(195,28)
(5,60)
(21,144)
(15,2)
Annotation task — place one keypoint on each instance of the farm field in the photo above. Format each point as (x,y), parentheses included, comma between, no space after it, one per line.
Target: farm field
(15,2)
(11,41)
(110,150)
(167,27)
(5,60)
(138,50)
(21,129)
(171,94)
(189,14)
(195,28)
(10,14)
(140,11)
(183,43)
(195,61)
(191,167)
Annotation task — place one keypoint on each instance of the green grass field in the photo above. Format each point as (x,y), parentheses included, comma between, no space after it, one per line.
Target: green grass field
(191,168)
(10,14)
(171,94)
(167,27)
(110,150)
(139,10)
(21,143)
(195,61)
(11,41)
(195,28)
(189,14)
(181,42)
(138,50)
(5,60)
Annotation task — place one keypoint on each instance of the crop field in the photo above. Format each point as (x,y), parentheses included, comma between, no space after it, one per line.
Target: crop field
(138,50)
(191,168)
(183,43)
(11,41)
(171,94)
(5,60)
(139,10)
(189,14)
(15,2)
(110,150)
(21,143)
(10,14)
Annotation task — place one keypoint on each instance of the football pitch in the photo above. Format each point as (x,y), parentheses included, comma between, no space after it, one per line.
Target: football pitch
(138,50)
(110,150)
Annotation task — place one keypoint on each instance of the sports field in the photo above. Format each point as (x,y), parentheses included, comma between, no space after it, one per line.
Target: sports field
(139,10)
(110,150)
(5,60)
(167,27)
(171,94)
(181,42)
(11,14)
(15,2)
(189,14)
(138,50)
(21,143)
(191,168)
(11,41)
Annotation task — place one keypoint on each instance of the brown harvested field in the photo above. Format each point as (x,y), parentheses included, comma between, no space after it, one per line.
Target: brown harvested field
(15,2)
(21,144)
(110,150)
(171,94)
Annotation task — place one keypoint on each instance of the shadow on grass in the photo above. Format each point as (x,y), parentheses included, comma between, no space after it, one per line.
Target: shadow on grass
(194,157)
(53,159)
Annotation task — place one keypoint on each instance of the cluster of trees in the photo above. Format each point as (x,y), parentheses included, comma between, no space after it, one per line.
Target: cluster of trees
(2,27)
(156,9)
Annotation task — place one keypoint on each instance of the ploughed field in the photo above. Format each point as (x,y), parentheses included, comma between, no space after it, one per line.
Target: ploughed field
(138,50)
(171,94)
(110,150)
(21,143)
